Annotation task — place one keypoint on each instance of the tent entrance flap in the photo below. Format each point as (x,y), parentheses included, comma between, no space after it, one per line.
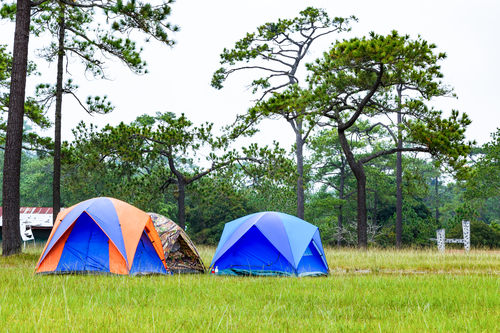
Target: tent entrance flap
(312,262)
(181,259)
(146,260)
(86,248)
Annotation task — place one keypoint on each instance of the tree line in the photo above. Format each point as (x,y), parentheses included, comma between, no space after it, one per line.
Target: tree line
(372,162)
(432,198)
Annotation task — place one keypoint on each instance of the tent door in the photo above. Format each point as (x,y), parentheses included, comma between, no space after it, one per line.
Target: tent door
(146,260)
(86,249)
(312,262)
(181,259)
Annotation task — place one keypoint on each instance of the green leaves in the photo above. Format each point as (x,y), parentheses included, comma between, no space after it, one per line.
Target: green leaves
(485,180)
(444,138)
(149,19)
(47,93)
(34,110)
(99,105)
(218,78)
(356,62)
(89,42)
(8,11)
(360,77)
(276,49)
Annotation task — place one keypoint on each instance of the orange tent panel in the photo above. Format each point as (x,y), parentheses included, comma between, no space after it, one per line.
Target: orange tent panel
(51,260)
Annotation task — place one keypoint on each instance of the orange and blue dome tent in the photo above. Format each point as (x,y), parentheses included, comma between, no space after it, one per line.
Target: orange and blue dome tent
(103,235)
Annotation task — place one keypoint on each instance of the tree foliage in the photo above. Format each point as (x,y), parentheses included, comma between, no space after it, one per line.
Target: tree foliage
(279,48)
(353,82)
(34,112)
(165,149)
(486,180)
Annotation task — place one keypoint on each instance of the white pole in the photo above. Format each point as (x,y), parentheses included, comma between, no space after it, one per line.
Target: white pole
(466,230)
(440,239)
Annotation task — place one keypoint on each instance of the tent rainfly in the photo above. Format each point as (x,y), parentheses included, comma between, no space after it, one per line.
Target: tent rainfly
(269,243)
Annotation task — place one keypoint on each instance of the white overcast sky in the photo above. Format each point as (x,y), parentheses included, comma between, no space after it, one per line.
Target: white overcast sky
(179,78)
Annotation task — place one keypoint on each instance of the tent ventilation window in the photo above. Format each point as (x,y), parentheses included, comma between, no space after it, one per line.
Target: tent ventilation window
(308,251)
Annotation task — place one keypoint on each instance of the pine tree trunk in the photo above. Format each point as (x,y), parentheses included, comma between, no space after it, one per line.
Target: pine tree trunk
(399,184)
(56,184)
(362,218)
(359,172)
(341,197)
(11,237)
(300,170)
(437,201)
(399,201)
(339,228)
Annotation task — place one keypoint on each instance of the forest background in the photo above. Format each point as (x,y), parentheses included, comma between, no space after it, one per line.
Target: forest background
(433,197)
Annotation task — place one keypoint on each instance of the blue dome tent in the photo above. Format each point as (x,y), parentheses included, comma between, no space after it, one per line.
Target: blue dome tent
(269,243)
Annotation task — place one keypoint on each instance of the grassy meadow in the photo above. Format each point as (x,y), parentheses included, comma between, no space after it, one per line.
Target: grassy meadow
(369,291)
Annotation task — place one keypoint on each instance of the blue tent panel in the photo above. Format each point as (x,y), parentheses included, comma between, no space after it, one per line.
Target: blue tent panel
(86,248)
(299,233)
(312,262)
(254,254)
(319,247)
(271,226)
(229,228)
(146,260)
(234,234)
(104,213)
(67,222)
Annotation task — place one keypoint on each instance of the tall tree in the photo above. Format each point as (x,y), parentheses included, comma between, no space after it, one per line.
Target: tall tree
(123,18)
(278,49)
(75,33)
(14,71)
(353,82)
(399,174)
(330,167)
(11,239)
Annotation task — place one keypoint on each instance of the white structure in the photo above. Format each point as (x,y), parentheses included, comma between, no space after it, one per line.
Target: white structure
(441,240)
(32,218)
(26,233)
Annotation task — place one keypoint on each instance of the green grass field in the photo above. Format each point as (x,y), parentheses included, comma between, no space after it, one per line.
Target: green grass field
(372,291)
